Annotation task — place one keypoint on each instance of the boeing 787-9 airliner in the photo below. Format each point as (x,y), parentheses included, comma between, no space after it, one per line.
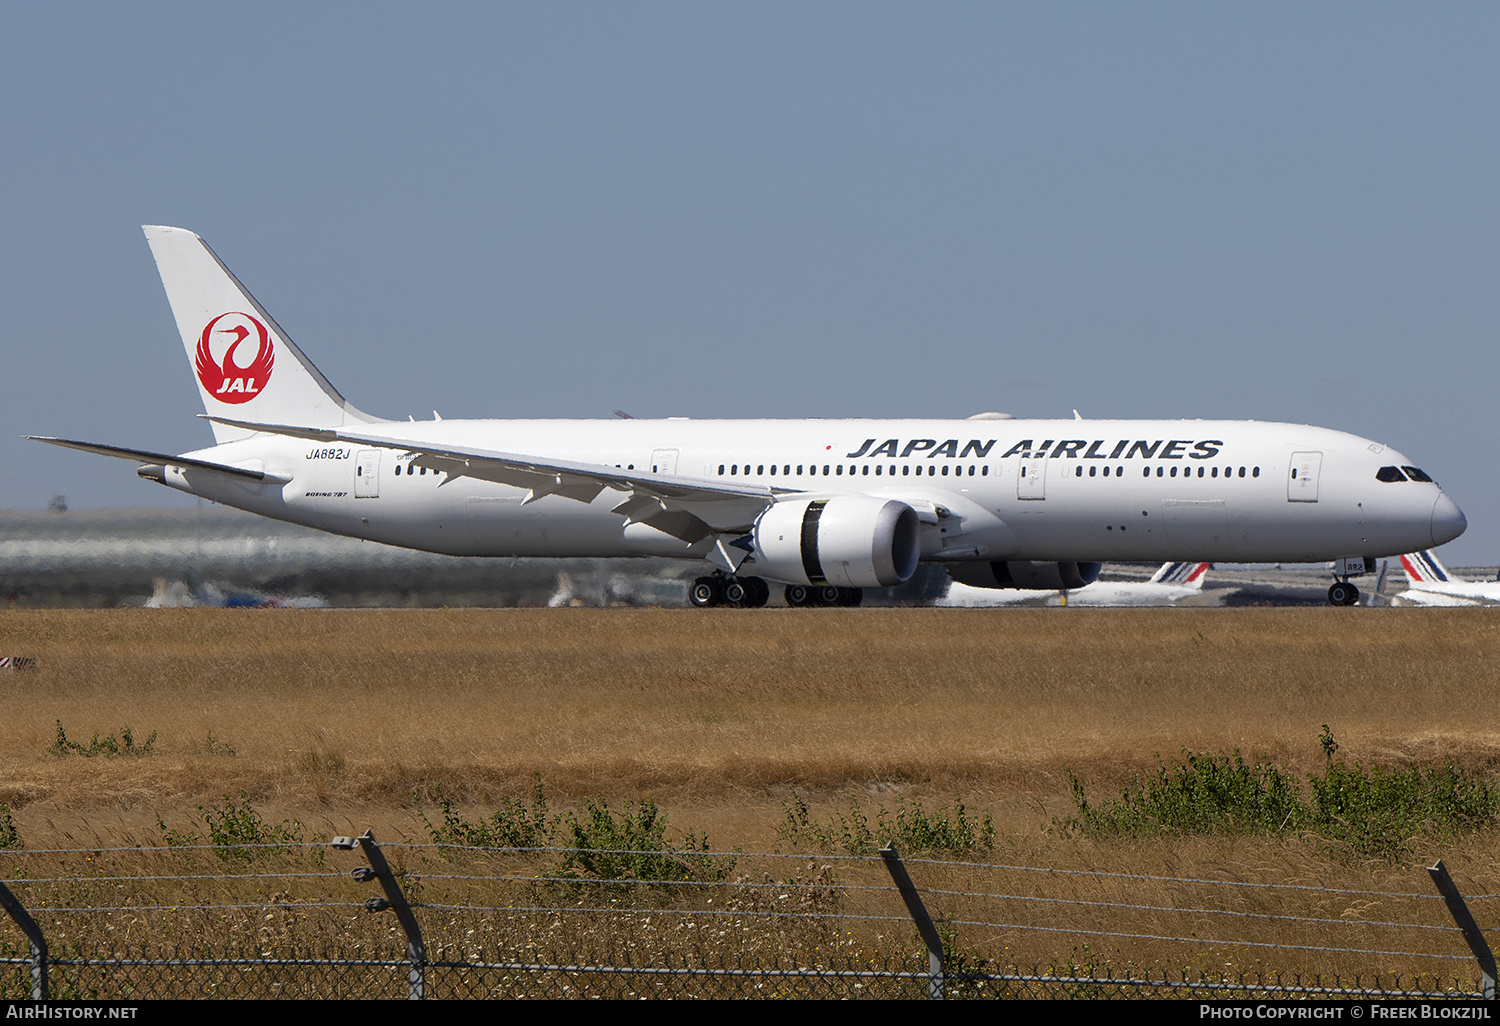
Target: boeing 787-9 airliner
(821,507)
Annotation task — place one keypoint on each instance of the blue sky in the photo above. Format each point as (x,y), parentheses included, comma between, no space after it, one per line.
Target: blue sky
(1270,211)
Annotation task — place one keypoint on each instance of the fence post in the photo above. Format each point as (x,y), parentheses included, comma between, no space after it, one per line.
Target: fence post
(379,869)
(1459,910)
(34,938)
(918,912)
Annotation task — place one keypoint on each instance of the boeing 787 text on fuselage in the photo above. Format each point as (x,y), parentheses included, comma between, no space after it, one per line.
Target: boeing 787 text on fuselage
(823,507)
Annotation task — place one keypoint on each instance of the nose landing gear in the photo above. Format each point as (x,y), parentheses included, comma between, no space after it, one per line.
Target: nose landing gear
(1342,593)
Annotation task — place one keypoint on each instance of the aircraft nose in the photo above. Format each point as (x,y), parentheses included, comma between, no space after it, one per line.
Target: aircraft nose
(1448,521)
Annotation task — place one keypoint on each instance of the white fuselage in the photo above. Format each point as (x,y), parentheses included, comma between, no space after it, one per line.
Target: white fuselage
(1006,489)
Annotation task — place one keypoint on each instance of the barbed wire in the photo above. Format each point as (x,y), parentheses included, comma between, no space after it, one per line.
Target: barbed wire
(870,859)
(1278,946)
(1174,879)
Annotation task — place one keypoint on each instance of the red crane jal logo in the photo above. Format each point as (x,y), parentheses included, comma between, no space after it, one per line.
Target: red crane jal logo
(238,373)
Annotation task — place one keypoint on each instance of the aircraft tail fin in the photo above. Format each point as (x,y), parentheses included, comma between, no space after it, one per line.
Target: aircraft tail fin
(245,364)
(1425,568)
(1184,575)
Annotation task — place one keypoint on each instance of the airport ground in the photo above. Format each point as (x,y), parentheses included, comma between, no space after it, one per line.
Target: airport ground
(335,718)
(210,555)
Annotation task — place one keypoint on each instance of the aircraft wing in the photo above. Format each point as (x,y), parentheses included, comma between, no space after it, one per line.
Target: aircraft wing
(687,508)
(165,459)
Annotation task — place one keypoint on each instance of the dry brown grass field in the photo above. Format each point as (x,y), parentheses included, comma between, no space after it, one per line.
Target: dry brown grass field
(336,717)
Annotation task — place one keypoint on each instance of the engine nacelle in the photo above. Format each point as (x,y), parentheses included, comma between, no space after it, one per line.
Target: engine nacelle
(1025,575)
(852,541)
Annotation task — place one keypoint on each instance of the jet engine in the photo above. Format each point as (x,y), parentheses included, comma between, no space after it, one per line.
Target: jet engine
(852,541)
(1025,575)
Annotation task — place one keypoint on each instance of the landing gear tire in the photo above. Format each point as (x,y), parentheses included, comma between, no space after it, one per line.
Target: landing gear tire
(801,596)
(705,592)
(757,592)
(1342,593)
(735,592)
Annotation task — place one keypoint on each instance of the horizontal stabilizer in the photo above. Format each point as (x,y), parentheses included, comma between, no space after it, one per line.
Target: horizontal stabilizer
(143,456)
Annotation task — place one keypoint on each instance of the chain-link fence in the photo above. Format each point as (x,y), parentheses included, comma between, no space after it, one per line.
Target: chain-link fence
(425,921)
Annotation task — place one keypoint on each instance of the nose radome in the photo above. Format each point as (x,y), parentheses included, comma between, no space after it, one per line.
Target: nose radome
(1448,521)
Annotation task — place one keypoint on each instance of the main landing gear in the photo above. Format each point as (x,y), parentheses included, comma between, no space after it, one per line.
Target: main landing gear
(1342,593)
(799,596)
(738,592)
(752,593)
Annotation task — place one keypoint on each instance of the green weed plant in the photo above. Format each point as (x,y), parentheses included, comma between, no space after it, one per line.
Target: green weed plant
(235,831)
(594,843)
(10,834)
(1371,811)
(515,824)
(108,745)
(911,828)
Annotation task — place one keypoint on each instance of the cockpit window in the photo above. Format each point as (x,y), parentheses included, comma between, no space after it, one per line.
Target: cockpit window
(1416,475)
(1389,474)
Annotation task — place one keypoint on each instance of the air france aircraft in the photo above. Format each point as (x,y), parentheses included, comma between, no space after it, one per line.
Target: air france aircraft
(823,508)
(1172,583)
(1430,583)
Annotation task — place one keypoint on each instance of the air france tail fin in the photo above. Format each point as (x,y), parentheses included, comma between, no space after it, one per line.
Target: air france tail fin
(245,364)
(1184,575)
(1425,568)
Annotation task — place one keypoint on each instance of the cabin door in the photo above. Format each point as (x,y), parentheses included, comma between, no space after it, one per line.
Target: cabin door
(1302,479)
(1031,477)
(664,461)
(367,474)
